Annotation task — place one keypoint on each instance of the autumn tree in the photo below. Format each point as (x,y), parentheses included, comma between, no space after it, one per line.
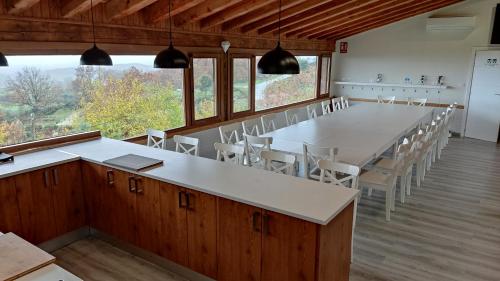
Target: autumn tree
(35,90)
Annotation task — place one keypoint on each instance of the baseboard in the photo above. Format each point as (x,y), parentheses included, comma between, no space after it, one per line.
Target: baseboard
(64,240)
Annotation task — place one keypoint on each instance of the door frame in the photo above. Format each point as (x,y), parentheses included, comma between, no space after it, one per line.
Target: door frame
(468,86)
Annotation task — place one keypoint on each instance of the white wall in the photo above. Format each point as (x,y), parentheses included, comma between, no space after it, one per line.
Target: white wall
(406,49)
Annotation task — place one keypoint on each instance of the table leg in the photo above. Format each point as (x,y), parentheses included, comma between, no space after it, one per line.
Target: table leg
(395,150)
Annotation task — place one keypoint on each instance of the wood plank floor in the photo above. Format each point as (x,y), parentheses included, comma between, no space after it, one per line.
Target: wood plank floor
(449,229)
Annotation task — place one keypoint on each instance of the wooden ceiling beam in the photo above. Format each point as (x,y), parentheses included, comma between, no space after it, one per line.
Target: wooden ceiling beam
(71,8)
(203,10)
(259,14)
(235,11)
(293,26)
(388,18)
(286,13)
(357,14)
(159,10)
(18,6)
(116,9)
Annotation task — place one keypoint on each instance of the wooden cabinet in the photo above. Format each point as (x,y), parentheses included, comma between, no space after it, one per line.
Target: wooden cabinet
(148,221)
(10,219)
(240,241)
(97,182)
(50,202)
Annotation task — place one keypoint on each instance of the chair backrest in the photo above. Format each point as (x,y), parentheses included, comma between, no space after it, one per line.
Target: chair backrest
(157,139)
(230,133)
(230,153)
(417,102)
(337,104)
(330,172)
(312,154)
(268,124)
(254,146)
(389,100)
(311,111)
(187,145)
(279,162)
(291,116)
(345,102)
(325,107)
(251,127)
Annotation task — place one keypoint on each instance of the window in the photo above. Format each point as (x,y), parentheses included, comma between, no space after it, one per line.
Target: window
(278,90)
(49,96)
(205,87)
(324,87)
(241,84)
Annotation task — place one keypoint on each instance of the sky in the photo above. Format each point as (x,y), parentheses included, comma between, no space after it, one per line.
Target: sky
(63,61)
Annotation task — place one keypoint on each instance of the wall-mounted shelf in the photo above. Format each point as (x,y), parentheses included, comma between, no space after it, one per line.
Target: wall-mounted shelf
(411,86)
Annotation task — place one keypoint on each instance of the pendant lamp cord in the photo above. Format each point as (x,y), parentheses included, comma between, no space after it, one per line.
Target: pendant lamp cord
(92,16)
(170,20)
(279,23)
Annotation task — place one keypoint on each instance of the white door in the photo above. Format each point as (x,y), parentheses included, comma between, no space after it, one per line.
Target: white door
(483,118)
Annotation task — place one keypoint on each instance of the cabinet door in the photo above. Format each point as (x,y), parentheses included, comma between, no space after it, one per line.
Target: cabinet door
(67,195)
(10,220)
(202,233)
(122,206)
(34,196)
(94,183)
(173,231)
(288,248)
(148,214)
(239,243)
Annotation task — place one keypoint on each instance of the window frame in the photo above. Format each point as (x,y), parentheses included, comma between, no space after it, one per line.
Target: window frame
(230,95)
(328,76)
(218,95)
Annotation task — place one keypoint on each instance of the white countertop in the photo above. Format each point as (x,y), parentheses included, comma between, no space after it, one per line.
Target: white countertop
(297,197)
(34,161)
(50,272)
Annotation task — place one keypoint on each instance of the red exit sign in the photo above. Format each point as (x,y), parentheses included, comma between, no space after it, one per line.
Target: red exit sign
(343,47)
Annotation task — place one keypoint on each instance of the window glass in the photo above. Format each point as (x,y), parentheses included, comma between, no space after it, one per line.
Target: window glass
(241,84)
(325,76)
(49,96)
(205,87)
(277,90)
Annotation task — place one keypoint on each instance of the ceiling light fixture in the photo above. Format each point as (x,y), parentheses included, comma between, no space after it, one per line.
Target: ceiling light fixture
(3,60)
(94,55)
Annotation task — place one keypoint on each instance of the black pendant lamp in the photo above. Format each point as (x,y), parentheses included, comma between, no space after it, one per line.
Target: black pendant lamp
(3,60)
(171,57)
(94,55)
(278,60)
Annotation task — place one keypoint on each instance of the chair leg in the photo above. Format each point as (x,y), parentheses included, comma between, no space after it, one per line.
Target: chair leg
(408,183)
(370,190)
(419,173)
(393,204)
(388,204)
(402,188)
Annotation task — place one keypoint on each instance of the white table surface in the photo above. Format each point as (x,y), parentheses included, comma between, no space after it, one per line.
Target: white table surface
(297,197)
(51,272)
(361,133)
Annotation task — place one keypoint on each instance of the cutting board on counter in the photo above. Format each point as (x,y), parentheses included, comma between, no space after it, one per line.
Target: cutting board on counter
(18,257)
(134,162)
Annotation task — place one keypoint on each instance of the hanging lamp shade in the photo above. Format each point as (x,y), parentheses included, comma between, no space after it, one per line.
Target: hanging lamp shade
(3,60)
(171,58)
(278,61)
(95,56)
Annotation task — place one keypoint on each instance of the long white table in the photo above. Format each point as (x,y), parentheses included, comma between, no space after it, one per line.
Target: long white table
(361,133)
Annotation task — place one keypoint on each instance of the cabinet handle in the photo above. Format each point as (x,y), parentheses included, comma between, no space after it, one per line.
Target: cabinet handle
(131,187)
(181,193)
(189,201)
(138,185)
(256,221)
(265,224)
(55,176)
(111,177)
(46,178)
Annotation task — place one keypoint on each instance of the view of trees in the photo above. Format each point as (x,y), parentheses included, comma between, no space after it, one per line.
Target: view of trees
(205,88)
(241,84)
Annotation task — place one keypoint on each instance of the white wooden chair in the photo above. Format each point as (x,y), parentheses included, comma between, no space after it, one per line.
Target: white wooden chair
(251,127)
(230,133)
(386,182)
(337,104)
(325,107)
(345,102)
(330,172)
(311,111)
(230,153)
(253,148)
(422,154)
(417,102)
(157,139)
(292,116)
(388,100)
(279,162)
(187,145)
(268,123)
(312,154)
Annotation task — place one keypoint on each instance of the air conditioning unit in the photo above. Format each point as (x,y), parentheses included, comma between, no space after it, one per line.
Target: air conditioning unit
(443,24)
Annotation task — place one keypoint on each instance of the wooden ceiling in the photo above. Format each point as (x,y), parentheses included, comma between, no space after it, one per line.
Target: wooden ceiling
(309,20)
